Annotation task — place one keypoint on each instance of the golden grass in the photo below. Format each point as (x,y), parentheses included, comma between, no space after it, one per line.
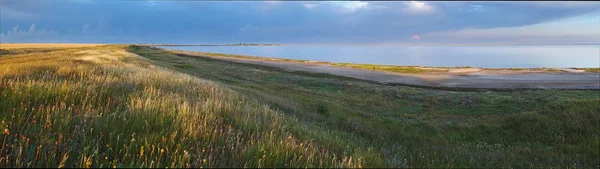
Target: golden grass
(102,106)
(105,107)
(44,45)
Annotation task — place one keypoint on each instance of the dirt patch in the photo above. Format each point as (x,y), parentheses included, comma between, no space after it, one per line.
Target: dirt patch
(572,70)
(465,70)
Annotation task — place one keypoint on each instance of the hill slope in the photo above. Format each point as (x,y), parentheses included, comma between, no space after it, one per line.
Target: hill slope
(132,106)
(105,107)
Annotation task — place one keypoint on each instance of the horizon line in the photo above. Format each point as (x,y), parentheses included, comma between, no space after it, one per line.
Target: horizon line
(316,44)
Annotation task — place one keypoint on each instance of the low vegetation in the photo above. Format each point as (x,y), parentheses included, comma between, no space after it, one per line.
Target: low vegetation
(375,67)
(134,106)
(385,68)
(398,69)
(415,127)
(104,107)
(595,70)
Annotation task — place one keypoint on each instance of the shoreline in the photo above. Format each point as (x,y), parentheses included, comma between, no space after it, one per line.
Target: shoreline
(482,79)
(404,68)
(524,44)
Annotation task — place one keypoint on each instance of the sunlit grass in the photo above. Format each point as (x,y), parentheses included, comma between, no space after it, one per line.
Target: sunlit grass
(104,107)
(595,70)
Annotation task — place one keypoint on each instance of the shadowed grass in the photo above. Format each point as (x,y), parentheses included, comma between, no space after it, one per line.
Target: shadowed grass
(415,127)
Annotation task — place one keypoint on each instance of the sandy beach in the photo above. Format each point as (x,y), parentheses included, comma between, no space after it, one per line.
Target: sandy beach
(467,78)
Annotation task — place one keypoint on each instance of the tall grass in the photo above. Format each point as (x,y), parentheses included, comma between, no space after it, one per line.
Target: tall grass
(416,127)
(104,107)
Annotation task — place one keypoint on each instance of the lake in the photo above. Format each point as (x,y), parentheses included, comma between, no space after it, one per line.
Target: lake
(520,56)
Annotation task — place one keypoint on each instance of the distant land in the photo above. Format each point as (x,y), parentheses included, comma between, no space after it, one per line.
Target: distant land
(235,44)
(269,44)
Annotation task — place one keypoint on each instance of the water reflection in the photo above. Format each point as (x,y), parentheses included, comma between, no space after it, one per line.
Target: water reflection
(528,56)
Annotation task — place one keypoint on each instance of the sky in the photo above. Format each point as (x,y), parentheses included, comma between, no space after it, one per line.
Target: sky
(299,22)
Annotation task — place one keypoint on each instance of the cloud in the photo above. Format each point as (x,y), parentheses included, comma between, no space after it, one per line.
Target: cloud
(152,3)
(31,33)
(85,28)
(565,30)
(310,6)
(32,28)
(473,8)
(268,5)
(356,6)
(566,4)
(349,6)
(294,22)
(415,7)
(416,37)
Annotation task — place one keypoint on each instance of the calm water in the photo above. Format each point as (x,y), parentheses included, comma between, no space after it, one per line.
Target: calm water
(526,56)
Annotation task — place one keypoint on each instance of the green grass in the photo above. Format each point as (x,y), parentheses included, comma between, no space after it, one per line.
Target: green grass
(388,68)
(375,67)
(415,127)
(595,70)
(106,107)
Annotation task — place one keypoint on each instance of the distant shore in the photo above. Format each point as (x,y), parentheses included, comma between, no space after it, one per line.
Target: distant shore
(459,78)
(407,68)
(518,44)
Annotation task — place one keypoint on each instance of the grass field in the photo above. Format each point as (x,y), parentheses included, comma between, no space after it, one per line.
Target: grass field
(389,68)
(132,106)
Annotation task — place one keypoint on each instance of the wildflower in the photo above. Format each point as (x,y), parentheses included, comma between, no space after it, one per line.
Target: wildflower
(6,131)
(162,150)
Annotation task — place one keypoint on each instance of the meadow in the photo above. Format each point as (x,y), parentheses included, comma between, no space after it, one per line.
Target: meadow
(138,106)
